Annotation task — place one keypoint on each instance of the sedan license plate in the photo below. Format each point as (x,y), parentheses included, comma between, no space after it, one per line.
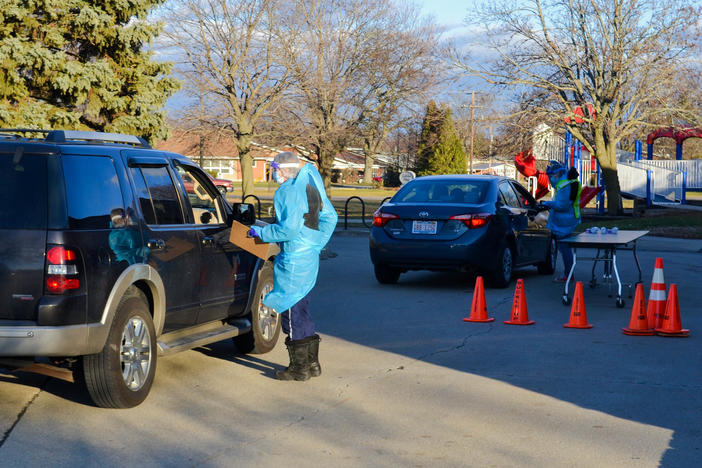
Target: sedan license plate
(423,227)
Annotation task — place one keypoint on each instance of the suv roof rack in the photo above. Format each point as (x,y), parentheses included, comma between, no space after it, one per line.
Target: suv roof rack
(64,136)
(67,136)
(15,133)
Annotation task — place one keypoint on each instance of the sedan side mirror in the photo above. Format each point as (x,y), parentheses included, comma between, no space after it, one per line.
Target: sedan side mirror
(244,213)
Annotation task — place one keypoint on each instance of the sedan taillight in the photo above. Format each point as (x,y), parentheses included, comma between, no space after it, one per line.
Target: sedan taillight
(473,221)
(380,219)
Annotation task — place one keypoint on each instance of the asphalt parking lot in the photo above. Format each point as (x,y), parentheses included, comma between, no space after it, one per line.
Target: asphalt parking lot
(405,383)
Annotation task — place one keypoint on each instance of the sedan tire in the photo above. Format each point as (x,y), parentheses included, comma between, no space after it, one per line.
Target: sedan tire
(386,275)
(548,266)
(501,276)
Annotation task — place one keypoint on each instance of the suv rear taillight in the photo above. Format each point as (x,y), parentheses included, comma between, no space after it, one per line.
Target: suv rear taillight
(473,221)
(61,270)
(380,219)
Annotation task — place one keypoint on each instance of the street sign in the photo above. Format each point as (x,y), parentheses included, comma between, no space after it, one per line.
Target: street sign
(407,176)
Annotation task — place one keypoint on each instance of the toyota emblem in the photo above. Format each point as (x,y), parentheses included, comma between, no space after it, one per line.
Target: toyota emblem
(423,214)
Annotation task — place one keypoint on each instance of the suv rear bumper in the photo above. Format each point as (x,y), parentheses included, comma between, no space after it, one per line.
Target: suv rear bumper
(73,340)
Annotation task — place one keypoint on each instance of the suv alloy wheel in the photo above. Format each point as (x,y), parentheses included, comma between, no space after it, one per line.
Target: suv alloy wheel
(265,322)
(120,376)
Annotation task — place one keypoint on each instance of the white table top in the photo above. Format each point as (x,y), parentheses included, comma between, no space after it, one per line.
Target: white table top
(620,238)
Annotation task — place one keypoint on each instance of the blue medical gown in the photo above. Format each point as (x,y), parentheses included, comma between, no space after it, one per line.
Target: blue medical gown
(562,220)
(296,266)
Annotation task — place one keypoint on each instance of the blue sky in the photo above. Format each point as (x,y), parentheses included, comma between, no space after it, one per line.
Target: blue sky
(449,13)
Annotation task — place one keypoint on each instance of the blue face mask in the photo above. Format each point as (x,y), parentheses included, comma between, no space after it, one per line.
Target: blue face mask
(277,178)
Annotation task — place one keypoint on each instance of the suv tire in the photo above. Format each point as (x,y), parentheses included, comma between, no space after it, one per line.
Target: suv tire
(120,376)
(265,322)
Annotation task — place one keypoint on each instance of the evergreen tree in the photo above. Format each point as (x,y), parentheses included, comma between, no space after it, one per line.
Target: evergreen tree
(440,150)
(79,64)
(429,138)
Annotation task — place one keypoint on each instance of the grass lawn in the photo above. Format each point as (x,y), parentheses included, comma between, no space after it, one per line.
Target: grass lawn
(666,222)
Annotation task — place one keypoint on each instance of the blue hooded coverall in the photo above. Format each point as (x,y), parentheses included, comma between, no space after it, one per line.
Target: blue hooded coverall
(305,221)
(563,217)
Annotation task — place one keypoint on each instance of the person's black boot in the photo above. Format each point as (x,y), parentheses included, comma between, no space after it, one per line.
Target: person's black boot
(299,363)
(313,356)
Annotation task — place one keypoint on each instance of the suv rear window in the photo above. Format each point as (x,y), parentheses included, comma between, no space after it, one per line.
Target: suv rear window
(92,191)
(23,191)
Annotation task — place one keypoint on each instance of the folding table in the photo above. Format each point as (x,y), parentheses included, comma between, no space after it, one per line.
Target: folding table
(606,245)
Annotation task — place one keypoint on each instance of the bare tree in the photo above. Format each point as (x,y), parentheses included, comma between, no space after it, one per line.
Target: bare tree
(613,61)
(233,48)
(403,69)
(197,117)
(335,48)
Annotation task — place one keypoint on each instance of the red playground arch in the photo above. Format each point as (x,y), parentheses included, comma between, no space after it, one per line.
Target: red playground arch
(679,136)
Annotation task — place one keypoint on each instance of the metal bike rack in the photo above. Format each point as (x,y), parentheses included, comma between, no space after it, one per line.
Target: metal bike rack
(258,200)
(346,212)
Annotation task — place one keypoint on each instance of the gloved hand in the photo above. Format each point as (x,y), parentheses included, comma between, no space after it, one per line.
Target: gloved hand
(254,232)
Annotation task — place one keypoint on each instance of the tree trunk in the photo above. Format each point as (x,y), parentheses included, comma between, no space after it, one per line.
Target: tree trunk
(327,152)
(202,149)
(243,145)
(606,154)
(368,169)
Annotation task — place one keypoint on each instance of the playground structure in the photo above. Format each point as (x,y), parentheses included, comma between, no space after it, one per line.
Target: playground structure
(658,182)
(572,154)
(678,135)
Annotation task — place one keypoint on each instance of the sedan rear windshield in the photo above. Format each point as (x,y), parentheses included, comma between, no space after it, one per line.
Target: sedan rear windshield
(442,191)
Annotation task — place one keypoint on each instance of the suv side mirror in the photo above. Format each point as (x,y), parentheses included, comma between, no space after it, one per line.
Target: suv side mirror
(244,213)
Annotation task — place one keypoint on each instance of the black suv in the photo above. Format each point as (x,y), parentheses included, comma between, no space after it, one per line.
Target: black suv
(108,259)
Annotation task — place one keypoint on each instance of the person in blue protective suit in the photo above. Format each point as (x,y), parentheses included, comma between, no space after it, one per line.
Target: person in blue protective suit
(305,221)
(565,210)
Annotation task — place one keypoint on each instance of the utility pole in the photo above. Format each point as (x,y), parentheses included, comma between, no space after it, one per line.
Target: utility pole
(472,116)
(201,130)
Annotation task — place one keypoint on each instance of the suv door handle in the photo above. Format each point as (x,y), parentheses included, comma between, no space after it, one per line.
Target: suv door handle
(156,244)
(207,241)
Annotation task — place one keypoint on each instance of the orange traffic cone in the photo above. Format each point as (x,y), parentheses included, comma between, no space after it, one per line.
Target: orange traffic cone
(578,313)
(671,318)
(656,298)
(478,308)
(638,323)
(520,314)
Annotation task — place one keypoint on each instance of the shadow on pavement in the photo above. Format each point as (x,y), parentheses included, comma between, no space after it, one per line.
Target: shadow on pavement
(651,380)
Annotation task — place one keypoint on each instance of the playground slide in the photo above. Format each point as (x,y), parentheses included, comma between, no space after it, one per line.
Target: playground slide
(526,165)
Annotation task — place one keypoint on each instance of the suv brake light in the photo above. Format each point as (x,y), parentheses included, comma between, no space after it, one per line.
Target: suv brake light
(61,269)
(473,221)
(380,219)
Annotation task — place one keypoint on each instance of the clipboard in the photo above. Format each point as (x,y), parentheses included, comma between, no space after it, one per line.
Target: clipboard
(254,245)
